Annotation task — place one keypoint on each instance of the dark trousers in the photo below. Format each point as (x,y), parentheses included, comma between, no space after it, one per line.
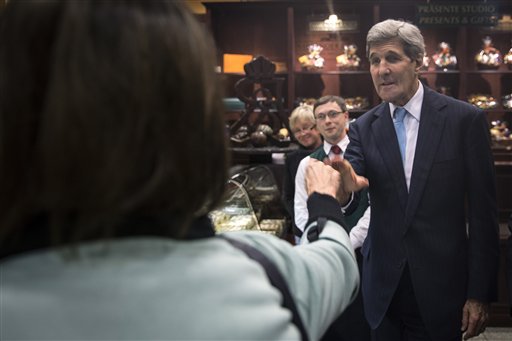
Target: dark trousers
(351,325)
(402,321)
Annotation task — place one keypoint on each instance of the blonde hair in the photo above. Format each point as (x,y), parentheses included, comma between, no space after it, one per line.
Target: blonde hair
(304,112)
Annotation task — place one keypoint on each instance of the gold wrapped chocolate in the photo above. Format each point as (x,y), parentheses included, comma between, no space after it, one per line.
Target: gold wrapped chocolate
(483,101)
(356,103)
(500,132)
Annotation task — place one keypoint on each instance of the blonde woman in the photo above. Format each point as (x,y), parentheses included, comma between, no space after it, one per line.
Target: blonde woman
(303,127)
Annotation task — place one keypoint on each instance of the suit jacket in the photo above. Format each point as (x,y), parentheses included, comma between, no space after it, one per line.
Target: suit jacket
(452,183)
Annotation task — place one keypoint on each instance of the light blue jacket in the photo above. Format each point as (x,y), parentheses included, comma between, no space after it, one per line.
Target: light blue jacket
(162,289)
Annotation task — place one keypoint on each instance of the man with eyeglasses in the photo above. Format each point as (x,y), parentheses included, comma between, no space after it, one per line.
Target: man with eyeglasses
(332,119)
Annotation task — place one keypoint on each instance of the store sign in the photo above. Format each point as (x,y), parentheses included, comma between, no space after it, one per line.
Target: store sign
(446,14)
(344,23)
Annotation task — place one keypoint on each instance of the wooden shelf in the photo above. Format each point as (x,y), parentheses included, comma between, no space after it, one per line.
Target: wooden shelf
(340,72)
(284,35)
(264,150)
(439,72)
(489,72)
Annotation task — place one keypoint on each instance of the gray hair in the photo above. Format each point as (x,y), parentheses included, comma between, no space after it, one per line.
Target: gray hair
(406,33)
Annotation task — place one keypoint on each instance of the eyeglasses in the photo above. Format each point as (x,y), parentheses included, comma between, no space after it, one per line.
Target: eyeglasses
(332,115)
(302,130)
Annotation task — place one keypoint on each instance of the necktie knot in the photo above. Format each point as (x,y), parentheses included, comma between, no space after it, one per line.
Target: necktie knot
(399,114)
(336,150)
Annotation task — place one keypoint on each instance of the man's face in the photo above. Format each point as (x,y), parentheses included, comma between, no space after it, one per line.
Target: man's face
(306,134)
(394,74)
(331,128)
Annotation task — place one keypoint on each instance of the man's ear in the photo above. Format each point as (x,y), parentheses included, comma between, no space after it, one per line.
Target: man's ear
(419,64)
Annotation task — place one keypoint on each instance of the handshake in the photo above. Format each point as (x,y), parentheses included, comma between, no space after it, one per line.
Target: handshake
(335,177)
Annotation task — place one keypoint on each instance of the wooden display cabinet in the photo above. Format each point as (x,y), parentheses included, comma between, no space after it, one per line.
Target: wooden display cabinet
(280,31)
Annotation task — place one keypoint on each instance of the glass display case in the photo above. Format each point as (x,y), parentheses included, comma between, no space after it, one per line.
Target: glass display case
(236,213)
(252,202)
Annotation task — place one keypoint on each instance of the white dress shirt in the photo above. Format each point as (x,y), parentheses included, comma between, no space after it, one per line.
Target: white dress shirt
(301,195)
(412,124)
(358,232)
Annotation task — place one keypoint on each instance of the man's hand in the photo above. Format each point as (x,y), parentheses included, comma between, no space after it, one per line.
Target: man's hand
(350,181)
(321,178)
(474,318)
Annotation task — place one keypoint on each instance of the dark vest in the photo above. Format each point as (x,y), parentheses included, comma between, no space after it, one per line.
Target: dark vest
(353,218)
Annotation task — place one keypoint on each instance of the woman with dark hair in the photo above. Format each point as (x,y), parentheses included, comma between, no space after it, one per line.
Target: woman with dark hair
(112,152)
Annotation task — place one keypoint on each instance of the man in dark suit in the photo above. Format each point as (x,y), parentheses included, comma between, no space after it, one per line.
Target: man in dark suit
(431,254)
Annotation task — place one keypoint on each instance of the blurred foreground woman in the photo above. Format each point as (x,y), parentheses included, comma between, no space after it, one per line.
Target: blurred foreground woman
(112,151)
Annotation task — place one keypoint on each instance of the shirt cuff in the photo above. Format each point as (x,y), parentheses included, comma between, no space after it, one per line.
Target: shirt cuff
(344,208)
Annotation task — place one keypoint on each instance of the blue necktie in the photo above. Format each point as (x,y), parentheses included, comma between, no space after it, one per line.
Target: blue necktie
(399,116)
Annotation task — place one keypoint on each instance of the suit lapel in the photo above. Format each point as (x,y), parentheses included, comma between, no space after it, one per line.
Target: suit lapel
(429,136)
(387,144)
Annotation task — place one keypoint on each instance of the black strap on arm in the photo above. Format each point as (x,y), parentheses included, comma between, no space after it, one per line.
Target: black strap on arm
(314,232)
(275,278)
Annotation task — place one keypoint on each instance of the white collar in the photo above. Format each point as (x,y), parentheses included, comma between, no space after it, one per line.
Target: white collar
(342,144)
(414,104)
